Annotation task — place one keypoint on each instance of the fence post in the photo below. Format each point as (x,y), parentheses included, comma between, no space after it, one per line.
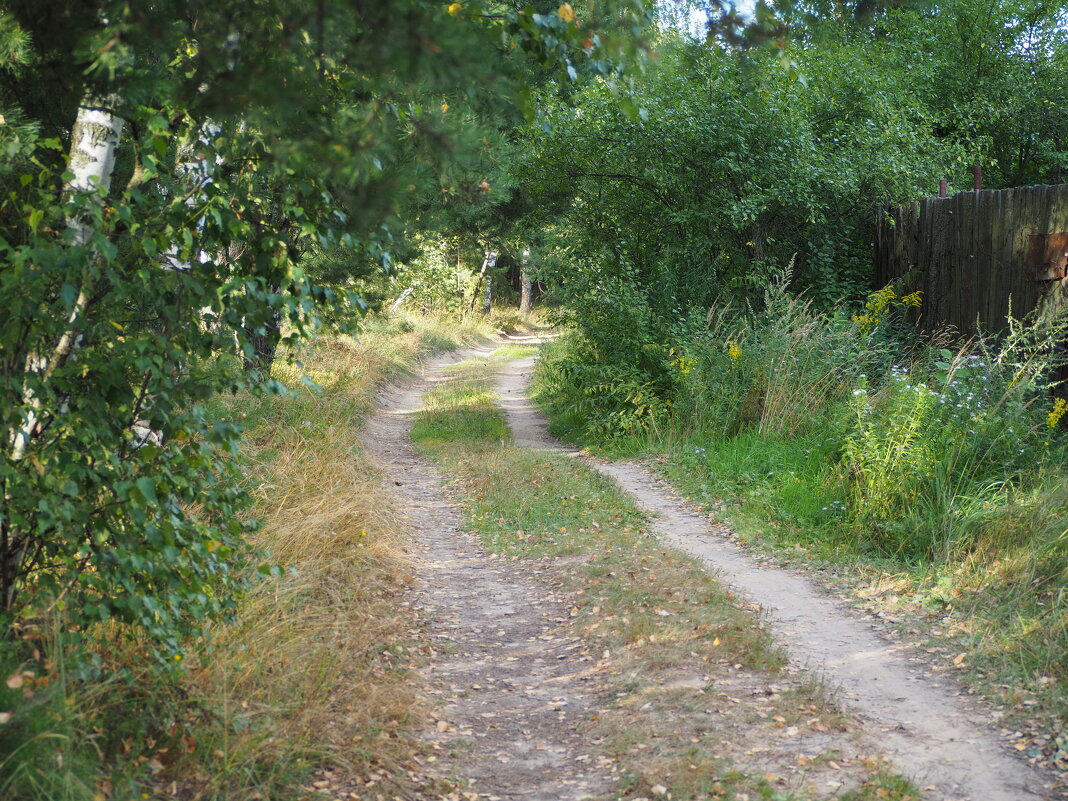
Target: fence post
(943,186)
(977,178)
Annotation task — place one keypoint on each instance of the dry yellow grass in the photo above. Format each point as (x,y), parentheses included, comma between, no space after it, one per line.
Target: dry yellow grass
(313,672)
(311,643)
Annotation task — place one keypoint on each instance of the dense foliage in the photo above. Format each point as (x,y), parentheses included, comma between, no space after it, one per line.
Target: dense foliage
(186,191)
(806,409)
(726,164)
(262,153)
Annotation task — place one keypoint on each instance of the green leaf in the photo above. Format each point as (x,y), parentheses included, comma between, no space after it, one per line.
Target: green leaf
(147,487)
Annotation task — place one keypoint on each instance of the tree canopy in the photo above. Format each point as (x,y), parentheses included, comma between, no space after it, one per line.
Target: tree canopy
(187,186)
(727,161)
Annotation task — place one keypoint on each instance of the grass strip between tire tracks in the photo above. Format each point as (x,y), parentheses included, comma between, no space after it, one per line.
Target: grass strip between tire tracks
(700,702)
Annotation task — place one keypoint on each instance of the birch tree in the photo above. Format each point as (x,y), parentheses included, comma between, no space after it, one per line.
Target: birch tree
(524,282)
(95,139)
(133,291)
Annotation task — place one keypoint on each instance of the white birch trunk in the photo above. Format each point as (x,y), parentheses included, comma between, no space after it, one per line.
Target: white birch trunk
(193,170)
(488,263)
(524,283)
(397,303)
(94,146)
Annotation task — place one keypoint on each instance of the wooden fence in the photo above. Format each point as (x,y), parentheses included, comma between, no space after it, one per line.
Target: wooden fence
(975,252)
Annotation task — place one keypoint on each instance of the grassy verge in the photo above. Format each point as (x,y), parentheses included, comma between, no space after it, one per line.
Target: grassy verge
(314,675)
(700,703)
(307,693)
(994,614)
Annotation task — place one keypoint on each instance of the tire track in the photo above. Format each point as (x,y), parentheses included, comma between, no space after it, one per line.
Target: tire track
(512,686)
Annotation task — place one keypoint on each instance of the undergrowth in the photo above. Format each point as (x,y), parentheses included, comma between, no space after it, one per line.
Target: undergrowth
(850,440)
(310,676)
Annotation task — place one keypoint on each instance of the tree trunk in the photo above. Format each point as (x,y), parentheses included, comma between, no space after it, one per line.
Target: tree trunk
(194,171)
(264,340)
(94,145)
(264,346)
(265,333)
(488,263)
(397,303)
(487,299)
(524,283)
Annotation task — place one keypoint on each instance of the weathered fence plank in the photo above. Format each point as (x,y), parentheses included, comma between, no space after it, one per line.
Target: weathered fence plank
(974,253)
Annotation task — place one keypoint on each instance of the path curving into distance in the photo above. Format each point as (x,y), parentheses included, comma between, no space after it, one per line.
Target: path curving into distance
(940,740)
(510,685)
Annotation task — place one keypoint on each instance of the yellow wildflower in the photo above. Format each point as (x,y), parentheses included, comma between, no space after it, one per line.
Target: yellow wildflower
(681,362)
(1060,407)
(566,13)
(875,309)
(455,9)
(913,299)
(877,304)
(734,351)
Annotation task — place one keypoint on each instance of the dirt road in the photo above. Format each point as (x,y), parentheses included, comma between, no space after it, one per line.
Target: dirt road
(513,684)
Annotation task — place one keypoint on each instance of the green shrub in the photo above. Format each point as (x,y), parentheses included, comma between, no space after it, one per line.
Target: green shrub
(939,444)
(922,444)
(616,374)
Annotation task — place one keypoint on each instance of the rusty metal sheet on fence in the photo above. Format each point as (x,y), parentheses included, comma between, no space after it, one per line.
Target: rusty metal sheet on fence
(977,256)
(1047,256)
